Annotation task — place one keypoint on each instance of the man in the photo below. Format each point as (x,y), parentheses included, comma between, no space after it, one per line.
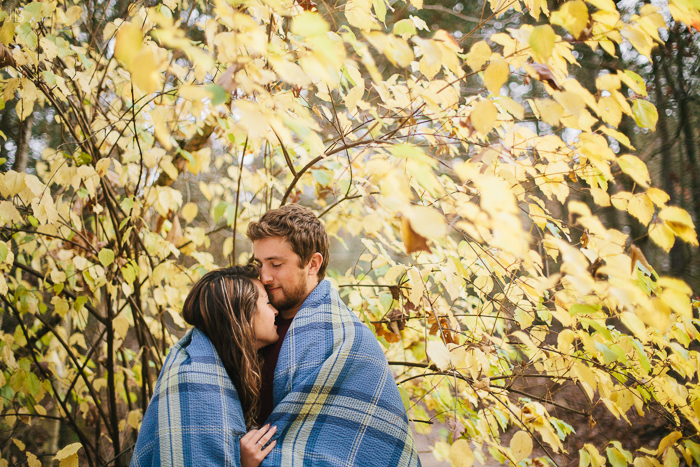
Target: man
(326,384)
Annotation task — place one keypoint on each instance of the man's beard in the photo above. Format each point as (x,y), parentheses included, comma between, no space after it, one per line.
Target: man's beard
(291,297)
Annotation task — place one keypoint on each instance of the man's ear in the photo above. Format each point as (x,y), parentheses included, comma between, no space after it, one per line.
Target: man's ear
(315,263)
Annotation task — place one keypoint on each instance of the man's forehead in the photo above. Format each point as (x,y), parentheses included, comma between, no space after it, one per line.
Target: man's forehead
(272,248)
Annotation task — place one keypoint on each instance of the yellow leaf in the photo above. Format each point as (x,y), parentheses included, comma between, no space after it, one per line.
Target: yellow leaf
(68,451)
(461,455)
(189,212)
(542,42)
(439,354)
(372,223)
(496,75)
(675,284)
(680,222)
(478,55)
(32,460)
(616,134)
(635,325)
(641,207)
(659,197)
(144,71)
(426,221)
(633,81)
(520,446)
(608,82)
(20,445)
(635,168)
(573,16)
(73,14)
(669,440)
(121,326)
(662,235)
(134,419)
(309,23)
(645,114)
(483,116)
(129,43)
(678,301)
(512,107)
(600,197)
(202,160)
(572,102)
(550,111)
(609,110)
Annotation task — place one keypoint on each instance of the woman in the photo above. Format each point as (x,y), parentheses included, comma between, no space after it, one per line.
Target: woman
(208,390)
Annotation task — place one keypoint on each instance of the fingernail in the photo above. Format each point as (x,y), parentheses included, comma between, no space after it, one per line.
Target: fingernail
(267,425)
(274,427)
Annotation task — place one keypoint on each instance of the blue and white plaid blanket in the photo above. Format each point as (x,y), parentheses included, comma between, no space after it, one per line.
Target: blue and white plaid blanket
(336,401)
(195,416)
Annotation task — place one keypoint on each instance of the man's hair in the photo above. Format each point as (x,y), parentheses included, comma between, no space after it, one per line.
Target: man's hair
(300,227)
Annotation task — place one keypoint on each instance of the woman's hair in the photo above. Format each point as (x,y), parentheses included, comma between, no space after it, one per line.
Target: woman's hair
(222,305)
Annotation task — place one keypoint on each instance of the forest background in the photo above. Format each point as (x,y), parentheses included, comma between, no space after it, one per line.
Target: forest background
(511,186)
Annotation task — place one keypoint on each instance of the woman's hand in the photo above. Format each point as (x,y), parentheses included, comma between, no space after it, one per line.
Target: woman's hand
(253,449)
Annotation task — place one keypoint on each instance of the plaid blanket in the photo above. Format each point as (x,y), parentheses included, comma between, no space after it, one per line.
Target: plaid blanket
(195,416)
(336,401)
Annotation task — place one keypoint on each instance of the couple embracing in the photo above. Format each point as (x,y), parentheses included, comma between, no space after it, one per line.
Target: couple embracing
(274,346)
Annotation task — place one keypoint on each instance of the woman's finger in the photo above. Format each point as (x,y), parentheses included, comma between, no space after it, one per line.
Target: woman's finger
(266,437)
(267,450)
(258,434)
(249,436)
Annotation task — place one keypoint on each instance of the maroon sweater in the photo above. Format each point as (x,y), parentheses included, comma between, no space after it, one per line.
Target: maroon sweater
(270,354)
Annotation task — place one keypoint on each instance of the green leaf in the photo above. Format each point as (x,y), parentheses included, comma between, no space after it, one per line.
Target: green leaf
(218,94)
(380,10)
(404,397)
(83,158)
(80,303)
(645,114)
(405,28)
(3,252)
(35,10)
(106,257)
(32,384)
(616,458)
(129,274)
(600,328)
(578,309)
(323,177)
(694,449)
(409,151)
(608,355)
(219,210)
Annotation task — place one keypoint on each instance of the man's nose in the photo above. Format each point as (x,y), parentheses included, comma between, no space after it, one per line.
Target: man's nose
(265,276)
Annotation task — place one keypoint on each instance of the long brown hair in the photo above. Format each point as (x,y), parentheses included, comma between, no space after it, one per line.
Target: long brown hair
(222,305)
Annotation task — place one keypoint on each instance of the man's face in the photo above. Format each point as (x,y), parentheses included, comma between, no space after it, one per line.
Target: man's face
(286,282)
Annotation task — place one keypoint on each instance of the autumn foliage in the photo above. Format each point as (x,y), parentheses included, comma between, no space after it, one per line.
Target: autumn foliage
(481,259)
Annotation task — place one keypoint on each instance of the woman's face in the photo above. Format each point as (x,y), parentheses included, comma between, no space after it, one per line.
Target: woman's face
(264,320)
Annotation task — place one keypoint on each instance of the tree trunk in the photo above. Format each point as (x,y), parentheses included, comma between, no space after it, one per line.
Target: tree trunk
(681,95)
(23,137)
(678,260)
